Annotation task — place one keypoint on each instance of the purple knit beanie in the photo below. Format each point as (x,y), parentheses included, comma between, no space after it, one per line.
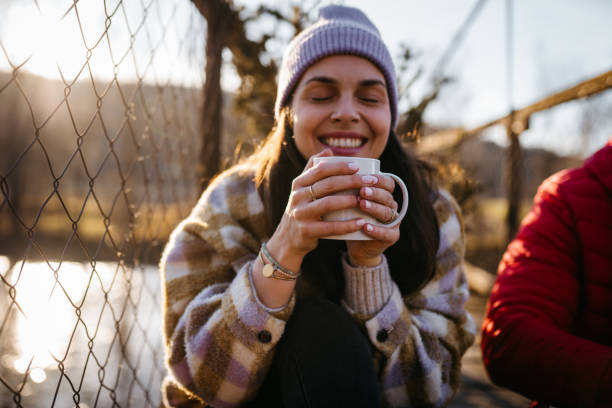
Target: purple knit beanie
(340,30)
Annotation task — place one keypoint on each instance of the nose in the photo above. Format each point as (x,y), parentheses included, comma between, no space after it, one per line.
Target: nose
(345,110)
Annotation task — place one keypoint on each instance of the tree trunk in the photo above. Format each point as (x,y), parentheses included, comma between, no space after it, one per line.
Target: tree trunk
(218,15)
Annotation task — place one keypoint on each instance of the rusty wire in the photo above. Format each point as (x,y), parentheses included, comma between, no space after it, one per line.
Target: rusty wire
(87,201)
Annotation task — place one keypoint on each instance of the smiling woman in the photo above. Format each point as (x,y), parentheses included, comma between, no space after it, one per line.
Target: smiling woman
(261,310)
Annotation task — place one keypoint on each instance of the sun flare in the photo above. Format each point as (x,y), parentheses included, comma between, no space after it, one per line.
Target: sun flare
(47,42)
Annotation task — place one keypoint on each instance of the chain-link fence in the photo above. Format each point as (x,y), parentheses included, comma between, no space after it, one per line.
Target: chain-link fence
(99,124)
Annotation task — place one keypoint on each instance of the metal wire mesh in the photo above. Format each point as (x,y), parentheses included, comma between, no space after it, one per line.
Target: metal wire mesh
(99,124)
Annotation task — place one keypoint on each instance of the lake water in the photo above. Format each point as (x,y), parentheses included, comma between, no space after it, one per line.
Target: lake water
(77,334)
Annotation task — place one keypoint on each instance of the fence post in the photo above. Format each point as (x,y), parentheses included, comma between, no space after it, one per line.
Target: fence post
(514,127)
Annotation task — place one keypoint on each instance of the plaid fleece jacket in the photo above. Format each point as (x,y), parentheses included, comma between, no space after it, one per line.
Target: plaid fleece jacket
(220,339)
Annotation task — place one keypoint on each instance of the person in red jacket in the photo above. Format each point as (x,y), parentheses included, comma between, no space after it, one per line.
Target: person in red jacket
(548,329)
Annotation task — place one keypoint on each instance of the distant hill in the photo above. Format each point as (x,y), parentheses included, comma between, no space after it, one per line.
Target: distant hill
(159,126)
(486,163)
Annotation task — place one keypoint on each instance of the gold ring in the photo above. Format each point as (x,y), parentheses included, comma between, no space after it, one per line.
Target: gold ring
(394,216)
(312,194)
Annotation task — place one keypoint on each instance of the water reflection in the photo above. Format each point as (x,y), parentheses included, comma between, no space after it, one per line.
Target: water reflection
(88,331)
(42,327)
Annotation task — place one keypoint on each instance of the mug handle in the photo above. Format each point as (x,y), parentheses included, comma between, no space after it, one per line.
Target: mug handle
(405,200)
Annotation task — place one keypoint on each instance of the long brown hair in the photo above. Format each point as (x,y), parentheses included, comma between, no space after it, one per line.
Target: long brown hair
(411,260)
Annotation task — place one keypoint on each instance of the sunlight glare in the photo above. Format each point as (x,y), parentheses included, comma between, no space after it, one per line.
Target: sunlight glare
(48,317)
(21,364)
(4,264)
(40,331)
(38,375)
(47,40)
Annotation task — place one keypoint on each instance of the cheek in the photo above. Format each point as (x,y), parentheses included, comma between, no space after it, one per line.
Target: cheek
(304,124)
(300,131)
(302,135)
(379,145)
(381,125)
(383,122)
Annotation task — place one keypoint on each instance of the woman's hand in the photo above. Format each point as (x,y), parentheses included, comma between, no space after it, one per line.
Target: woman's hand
(312,196)
(377,201)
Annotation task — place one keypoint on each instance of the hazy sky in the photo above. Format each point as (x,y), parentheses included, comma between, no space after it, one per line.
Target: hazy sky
(557,43)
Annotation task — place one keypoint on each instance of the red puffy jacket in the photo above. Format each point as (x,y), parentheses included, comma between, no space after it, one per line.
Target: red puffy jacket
(548,330)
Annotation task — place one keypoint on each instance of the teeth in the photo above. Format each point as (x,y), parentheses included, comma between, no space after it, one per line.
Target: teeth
(342,142)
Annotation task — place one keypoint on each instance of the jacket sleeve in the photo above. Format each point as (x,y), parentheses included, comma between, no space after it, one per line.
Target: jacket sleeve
(526,341)
(424,336)
(219,338)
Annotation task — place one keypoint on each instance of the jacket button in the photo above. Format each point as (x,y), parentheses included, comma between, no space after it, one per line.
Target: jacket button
(382,335)
(264,336)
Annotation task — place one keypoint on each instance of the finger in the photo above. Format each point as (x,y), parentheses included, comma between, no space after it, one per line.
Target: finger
(317,209)
(324,153)
(386,183)
(381,212)
(324,170)
(335,184)
(384,234)
(379,196)
(321,229)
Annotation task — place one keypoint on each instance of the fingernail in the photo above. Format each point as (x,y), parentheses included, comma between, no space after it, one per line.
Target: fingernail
(367,204)
(353,166)
(369,179)
(368,191)
(369,227)
(360,222)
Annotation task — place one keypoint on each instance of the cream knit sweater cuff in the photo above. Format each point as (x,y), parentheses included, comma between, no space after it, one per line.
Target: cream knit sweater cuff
(367,289)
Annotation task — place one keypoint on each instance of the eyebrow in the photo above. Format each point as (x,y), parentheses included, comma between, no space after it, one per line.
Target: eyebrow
(328,80)
(372,82)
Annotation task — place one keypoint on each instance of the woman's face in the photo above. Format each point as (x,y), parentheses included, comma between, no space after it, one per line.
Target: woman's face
(341,103)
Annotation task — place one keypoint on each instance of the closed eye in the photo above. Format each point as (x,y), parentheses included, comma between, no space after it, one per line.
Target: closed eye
(369,100)
(320,98)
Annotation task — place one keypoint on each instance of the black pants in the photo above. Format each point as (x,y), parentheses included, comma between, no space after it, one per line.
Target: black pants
(322,360)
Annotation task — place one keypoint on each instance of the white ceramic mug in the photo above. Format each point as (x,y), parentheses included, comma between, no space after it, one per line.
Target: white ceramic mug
(366,166)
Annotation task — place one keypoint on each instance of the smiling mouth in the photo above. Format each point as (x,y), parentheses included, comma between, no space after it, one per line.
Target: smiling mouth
(343,142)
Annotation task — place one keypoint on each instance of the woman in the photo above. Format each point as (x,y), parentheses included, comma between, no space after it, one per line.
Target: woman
(355,323)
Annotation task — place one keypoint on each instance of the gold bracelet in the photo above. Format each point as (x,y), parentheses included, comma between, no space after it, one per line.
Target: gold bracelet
(273,270)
